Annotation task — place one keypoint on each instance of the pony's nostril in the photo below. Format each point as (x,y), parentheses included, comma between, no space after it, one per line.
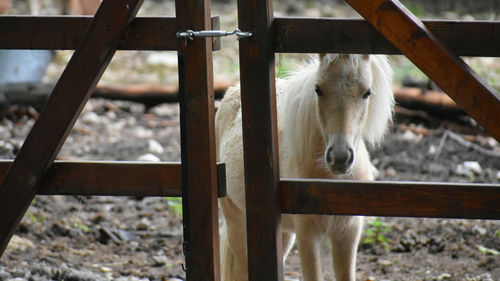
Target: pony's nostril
(329,153)
(350,157)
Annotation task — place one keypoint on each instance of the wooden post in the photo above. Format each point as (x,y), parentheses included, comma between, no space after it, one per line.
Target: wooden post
(450,72)
(61,111)
(260,140)
(199,175)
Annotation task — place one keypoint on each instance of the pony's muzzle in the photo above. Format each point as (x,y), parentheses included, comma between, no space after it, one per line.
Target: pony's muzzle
(340,160)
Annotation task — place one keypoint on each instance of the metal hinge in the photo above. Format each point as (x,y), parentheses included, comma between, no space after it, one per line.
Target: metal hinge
(191,34)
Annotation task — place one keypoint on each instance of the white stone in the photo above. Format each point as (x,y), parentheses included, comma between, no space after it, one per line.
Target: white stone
(155,147)
(148,157)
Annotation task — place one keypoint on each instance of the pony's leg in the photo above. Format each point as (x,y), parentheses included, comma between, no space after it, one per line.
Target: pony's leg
(288,240)
(288,234)
(308,242)
(344,247)
(234,266)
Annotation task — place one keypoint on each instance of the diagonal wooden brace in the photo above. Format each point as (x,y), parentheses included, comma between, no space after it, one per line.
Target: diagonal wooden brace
(70,94)
(450,72)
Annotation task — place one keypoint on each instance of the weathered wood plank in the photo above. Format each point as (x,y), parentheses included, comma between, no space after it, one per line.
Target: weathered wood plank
(115,178)
(109,178)
(394,199)
(260,141)
(62,109)
(322,35)
(446,69)
(64,33)
(199,186)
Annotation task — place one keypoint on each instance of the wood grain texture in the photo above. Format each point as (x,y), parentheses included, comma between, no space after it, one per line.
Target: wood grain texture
(64,33)
(322,35)
(447,70)
(199,175)
(62,109)
(258,101)
(115,178)
(394,199)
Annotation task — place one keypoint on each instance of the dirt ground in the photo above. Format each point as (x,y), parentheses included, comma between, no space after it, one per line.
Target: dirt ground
(106,238)
(123,238)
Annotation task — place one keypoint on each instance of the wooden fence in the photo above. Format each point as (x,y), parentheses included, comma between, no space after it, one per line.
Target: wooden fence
(389,29)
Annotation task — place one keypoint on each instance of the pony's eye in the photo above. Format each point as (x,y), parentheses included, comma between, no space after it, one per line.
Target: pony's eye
(318,91)
(367,94)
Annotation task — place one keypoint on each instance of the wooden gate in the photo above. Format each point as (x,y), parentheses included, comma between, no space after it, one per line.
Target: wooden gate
(95,40)
(389,28)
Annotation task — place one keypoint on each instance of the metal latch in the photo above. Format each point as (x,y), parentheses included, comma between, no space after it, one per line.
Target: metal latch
(190,34)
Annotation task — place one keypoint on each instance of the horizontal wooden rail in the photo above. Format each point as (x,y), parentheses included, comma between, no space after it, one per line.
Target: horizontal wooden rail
(112,178)
(394,199)
(320,35)
(64,33)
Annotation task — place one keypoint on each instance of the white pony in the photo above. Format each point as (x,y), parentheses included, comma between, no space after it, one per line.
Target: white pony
(327,114)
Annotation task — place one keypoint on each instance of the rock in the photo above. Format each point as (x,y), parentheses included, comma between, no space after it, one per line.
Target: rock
(143,224)
(479,230)
(148,157)
(155,147)
(473,166)
(390,172)
(469,169)
(160,260)
(4,275)
(20,244)
(91,117)
(444,276)
(411,137)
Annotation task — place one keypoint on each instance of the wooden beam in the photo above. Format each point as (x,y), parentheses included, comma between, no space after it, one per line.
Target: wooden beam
(322,35)
(446,69)
(70,94)
(394,199)
(260,141)
(115,178)
(64,33)
(199,176)
(109,178)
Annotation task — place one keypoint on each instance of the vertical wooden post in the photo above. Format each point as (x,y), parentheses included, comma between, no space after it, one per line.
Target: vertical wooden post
(199,174)
(260,141)
(407,33)
(70,94)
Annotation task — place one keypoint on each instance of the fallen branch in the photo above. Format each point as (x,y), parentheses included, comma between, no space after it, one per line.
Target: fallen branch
(35,94)
(457,138)
(432,102)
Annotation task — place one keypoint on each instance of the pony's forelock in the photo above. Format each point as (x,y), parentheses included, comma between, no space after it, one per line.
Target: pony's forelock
(380,108)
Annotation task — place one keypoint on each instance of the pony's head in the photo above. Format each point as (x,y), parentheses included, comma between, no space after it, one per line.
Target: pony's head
(354,104)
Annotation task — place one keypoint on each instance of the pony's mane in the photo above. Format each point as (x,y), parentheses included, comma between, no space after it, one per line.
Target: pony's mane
(380,109)
(297,110)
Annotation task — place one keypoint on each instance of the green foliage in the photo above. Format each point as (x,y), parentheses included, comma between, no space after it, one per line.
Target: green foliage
(375,233)
(283,67)
(82,227)
(488,251)
(35,218)
(498,234)
(415,8)
(175,205)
